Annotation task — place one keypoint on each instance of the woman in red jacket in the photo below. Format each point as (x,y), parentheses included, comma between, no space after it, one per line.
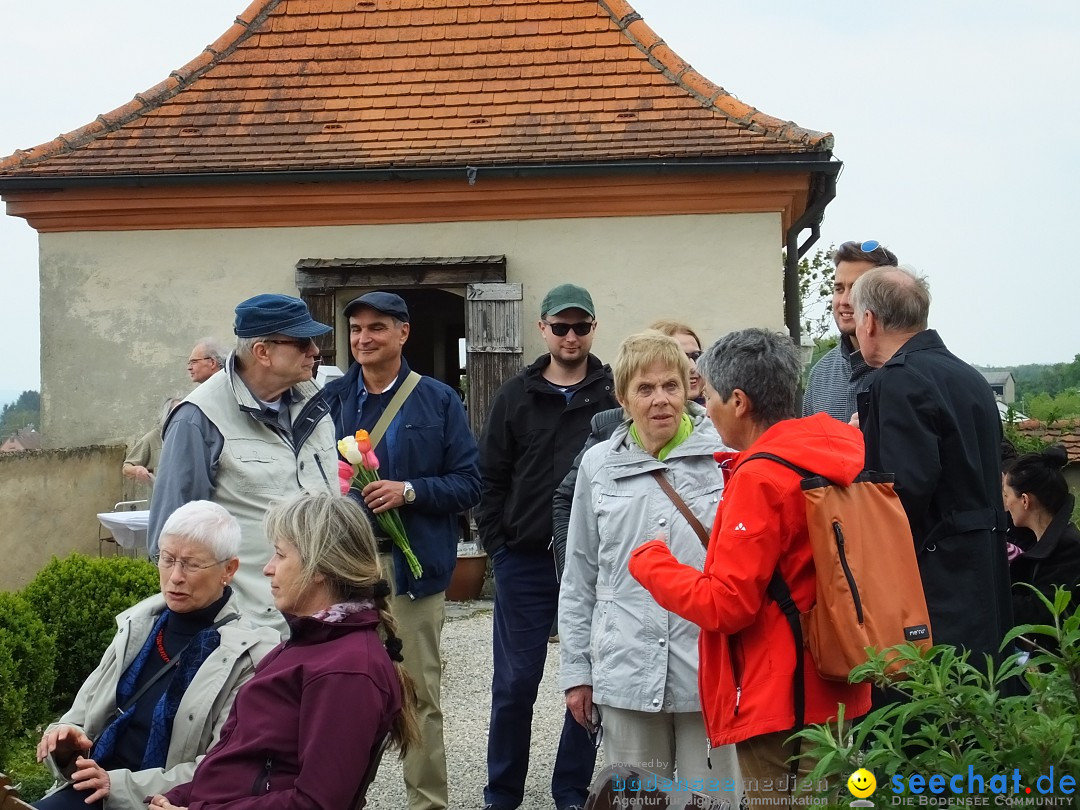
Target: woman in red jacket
(747,652)
(302,730)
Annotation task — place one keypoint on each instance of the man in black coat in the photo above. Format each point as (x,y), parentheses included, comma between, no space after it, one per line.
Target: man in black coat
(931,419)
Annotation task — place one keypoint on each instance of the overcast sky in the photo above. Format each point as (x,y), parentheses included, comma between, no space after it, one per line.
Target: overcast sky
(957,123)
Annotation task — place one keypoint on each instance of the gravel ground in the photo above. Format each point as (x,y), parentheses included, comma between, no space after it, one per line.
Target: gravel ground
(466,706)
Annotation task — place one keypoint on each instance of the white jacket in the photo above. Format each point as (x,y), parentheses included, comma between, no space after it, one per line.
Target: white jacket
(203,709)
(612,634)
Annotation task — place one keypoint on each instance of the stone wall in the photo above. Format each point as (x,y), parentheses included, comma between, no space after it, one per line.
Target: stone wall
(49,500)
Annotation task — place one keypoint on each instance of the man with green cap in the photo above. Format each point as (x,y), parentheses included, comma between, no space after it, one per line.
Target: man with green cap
(537,423)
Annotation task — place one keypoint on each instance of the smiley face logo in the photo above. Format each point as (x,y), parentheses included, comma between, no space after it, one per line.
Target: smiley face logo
(861,783)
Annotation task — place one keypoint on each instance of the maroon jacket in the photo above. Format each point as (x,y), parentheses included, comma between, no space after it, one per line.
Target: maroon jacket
(301,730)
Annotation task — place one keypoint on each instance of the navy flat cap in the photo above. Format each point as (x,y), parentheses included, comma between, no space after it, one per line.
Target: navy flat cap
(273,314)
(385,302)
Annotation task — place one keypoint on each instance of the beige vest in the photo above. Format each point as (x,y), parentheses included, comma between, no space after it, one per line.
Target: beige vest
(258,467)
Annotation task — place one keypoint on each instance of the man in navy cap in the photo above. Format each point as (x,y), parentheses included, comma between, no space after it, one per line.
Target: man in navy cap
(250,436)
(427,463)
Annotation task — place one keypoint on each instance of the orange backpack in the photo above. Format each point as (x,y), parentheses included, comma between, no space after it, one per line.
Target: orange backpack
(869,591)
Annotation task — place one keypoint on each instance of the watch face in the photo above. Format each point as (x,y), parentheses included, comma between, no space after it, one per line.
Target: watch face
(409,494)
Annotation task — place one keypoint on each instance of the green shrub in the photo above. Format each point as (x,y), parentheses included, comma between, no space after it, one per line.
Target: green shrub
(27,775)
(27,654)
(79,598)
(955,717)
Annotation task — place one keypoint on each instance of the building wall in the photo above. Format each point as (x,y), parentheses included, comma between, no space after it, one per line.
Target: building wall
(121,310)
(49,502)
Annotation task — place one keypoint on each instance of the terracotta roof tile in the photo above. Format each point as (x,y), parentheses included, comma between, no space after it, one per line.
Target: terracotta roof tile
(313,84)
(1065,432)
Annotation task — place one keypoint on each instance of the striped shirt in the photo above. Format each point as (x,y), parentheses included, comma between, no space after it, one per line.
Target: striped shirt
(835,381)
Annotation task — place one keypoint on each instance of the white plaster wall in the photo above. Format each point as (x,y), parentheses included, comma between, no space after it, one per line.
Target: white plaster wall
(121,310)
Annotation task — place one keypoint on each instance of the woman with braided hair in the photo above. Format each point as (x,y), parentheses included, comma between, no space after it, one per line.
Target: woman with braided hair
(302,730)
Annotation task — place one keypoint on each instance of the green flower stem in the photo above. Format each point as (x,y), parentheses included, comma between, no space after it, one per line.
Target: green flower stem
(390,520)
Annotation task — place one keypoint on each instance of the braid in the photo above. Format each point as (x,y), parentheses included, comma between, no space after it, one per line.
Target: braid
(406,728)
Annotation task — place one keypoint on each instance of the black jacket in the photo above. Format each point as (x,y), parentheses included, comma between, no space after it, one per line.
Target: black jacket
(600,429)
(931,419)
(530,439)
(1053,560)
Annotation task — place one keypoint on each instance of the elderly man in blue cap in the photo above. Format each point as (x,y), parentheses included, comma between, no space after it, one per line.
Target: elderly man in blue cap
(251,435)
(427,464)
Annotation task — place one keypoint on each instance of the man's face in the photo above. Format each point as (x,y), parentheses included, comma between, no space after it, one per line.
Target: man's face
(291,360)
(869,340)
(374,338)
(570,348)
(200,366)
(843,279)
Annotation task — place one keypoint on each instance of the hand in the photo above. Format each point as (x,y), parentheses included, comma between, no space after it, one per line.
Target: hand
(382,495)
(854,420)
(62,741)
(91,776)
(579,702)
(161,801)
(138,473)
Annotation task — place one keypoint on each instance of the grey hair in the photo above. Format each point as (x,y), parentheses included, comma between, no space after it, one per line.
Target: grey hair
(899,299)
(167,407)
(246,345)
(207,523)
(763,364)
(214,348)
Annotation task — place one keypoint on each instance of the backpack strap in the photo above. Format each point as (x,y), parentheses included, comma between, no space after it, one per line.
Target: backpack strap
(781,594)
(795,467)
(680,504)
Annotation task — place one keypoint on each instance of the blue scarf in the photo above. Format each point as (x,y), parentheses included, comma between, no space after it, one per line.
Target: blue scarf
(157,745)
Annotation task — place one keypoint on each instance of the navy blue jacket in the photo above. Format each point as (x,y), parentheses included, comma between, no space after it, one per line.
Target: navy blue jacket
(428,444)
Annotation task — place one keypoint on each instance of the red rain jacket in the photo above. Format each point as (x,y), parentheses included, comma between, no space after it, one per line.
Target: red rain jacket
(746,647)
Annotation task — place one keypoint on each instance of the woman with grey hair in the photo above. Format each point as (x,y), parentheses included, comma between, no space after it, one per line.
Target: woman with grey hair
(161,694)
(747,648)
(627,663)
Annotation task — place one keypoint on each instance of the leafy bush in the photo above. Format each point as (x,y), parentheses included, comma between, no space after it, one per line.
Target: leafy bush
(27,653)
(28,776)
(956,717)
(79,597)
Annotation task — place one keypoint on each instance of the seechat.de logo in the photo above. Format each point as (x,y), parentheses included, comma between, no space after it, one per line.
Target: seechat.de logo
(862,785)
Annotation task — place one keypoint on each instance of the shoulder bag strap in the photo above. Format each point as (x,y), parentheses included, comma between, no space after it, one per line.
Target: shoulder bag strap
(680,504)
(161,673)
(391,410)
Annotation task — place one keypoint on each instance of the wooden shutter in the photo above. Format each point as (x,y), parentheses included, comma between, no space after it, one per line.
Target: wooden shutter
(493,341)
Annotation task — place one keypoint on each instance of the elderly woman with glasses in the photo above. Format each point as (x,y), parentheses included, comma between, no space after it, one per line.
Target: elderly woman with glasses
(627,662)
(158,699)
(304,730)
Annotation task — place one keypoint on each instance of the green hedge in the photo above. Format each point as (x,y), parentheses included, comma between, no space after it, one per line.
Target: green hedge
(27,657)
(78,597)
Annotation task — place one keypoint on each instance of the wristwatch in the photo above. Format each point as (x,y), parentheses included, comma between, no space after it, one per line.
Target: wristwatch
(409,494)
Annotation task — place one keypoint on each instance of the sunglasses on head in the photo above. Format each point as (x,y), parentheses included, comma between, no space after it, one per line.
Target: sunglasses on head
(563,329)
(870,245)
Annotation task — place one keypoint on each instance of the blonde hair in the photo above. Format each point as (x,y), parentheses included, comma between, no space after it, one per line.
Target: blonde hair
(645,349)
(671,328)
(333,537)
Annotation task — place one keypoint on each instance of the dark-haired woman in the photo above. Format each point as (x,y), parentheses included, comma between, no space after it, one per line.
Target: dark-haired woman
(1037,498)
(302,730)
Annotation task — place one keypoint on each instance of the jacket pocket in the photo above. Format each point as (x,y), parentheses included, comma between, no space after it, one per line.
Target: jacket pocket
(260,470)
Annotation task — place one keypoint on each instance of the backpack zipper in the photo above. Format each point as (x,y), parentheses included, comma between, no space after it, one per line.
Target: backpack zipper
(263,776)
(839,532)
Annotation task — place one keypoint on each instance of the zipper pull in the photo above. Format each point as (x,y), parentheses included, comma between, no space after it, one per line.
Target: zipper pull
(738,697)
(269,765)
(708,753)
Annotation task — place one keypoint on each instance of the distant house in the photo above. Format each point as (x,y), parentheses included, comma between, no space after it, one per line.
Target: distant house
(1067,433)
(1002,384)
(470,156)
(23,439)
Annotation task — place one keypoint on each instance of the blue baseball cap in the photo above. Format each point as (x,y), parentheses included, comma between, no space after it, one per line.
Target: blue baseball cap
(385,302)
(273,314)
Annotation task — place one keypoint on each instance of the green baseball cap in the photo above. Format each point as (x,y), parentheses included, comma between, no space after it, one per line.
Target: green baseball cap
(567,296)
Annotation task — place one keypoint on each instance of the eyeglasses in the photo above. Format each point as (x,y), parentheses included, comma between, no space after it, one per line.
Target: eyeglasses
(563,329)
(694,356)
(195,360)
(596,733)
(166,563)
(301,344)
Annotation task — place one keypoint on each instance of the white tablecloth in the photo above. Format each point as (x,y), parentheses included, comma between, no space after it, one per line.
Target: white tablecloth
(128,528)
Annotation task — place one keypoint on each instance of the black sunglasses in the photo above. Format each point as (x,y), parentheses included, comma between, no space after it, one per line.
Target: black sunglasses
(563,329)
(693,356)
(301,344)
